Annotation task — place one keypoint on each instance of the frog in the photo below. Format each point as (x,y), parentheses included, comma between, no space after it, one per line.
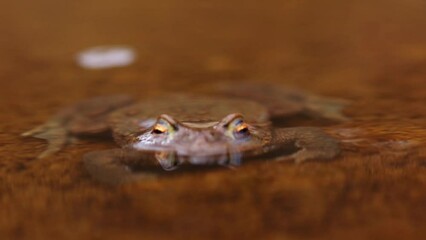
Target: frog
(177,130)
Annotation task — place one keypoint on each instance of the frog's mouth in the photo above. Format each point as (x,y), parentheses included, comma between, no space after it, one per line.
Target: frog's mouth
(170,160)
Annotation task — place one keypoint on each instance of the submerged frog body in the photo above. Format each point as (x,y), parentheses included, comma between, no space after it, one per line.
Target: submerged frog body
(188,130)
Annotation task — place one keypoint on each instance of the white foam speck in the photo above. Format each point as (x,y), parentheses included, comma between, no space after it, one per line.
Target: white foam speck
(101,57)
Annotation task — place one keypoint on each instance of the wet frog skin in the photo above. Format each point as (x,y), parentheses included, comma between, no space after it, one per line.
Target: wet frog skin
(180,130)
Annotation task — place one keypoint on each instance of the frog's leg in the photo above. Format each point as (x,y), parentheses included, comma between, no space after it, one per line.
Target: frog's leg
(311,143)
(283,101)
(53,132)
(88,117)
(324,107)
(113,166)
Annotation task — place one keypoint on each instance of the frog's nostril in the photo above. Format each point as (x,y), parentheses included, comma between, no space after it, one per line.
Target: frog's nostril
(213,136)
(209,137)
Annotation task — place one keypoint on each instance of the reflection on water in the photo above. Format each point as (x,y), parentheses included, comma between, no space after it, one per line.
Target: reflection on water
(380,139)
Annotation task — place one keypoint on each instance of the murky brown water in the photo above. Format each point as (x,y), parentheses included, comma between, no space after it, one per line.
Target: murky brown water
(370,52)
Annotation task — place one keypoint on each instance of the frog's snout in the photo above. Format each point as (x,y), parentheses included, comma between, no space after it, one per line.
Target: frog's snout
(208,142)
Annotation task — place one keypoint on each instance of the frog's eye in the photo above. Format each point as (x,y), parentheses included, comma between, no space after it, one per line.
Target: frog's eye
(163,126)
(238,128)
(159,129)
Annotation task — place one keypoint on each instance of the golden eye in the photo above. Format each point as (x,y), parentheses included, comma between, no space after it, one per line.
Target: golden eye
(243,128)
(164,125)
(159,129)
(239,129)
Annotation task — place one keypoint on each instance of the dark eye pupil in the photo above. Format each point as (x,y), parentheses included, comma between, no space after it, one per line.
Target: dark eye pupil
(243,130)
(242,133)
(157,131)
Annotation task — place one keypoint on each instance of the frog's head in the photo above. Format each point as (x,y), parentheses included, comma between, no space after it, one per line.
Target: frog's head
(202,142)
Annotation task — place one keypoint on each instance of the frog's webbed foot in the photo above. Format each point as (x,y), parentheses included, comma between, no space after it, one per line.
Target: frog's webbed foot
(311,143)
(114,166)
(53,132)
(88,117)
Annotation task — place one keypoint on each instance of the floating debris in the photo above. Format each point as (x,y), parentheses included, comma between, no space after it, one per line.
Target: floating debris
(106,57)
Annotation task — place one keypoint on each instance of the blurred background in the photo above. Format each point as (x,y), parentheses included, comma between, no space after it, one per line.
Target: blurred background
(370,52)
(323,45)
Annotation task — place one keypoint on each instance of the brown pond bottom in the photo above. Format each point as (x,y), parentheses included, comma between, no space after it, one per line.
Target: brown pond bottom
(372,53)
